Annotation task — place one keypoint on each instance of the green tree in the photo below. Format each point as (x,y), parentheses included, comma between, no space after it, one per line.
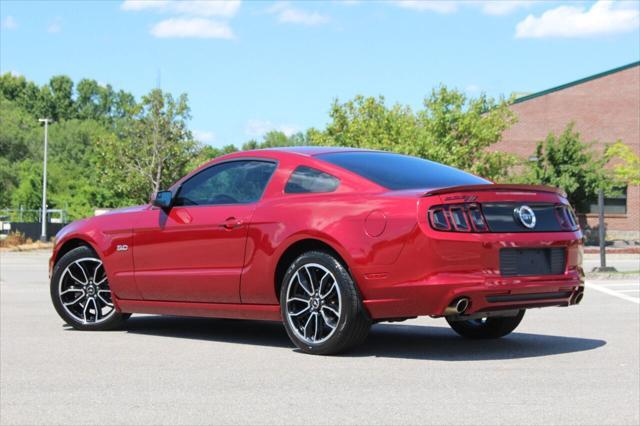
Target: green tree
(275,138)
(154,149)
(627,169)
(451,129)
(62,103)
(566,162)
(18,133)
(28,193)
(207,152)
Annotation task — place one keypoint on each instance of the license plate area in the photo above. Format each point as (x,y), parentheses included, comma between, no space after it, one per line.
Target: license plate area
(519,262)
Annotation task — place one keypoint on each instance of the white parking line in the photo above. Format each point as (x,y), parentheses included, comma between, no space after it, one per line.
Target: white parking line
(627,284)
(635,290)
(615,293)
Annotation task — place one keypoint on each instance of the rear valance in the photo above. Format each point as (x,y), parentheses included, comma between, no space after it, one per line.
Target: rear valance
(495,187)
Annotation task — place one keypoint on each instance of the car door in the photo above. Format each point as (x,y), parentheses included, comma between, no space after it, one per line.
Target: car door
(194,252)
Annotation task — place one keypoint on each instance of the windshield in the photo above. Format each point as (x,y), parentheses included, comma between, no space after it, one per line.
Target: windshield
(397,172)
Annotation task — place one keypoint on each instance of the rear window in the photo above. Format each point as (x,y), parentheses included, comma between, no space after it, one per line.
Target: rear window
(395,171)
(306,179)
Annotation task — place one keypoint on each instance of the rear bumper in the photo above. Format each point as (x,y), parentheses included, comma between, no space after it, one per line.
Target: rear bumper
(489,294)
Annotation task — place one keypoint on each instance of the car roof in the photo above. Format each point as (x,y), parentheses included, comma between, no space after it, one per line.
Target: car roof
(312,151)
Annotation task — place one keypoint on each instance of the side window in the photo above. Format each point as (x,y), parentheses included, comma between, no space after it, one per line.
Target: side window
(306,179)
(235,182)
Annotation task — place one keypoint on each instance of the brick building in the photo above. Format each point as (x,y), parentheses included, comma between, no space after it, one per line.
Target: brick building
(604,107)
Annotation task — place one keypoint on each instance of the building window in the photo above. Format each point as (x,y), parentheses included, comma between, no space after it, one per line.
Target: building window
(613,204)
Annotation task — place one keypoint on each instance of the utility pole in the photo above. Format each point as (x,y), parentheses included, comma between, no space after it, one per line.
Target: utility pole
(43,236)
(601,237)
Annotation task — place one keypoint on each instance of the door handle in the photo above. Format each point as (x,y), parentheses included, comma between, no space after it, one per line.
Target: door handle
(231,223)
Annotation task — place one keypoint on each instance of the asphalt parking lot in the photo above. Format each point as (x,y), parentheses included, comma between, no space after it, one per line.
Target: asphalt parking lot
(577,365)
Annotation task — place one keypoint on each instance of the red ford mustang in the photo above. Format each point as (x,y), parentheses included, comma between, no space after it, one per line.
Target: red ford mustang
(328,241)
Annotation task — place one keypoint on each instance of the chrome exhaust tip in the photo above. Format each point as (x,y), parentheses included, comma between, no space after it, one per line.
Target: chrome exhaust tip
(462,305)
(457,307)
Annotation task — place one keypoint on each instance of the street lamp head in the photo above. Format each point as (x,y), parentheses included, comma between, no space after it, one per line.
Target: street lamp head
(45,120)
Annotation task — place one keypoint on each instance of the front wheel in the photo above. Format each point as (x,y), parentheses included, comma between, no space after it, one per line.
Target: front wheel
(320,305)
(80,292)
(486,328)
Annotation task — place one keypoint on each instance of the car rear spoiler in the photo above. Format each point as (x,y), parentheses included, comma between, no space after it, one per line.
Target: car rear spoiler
(495,187)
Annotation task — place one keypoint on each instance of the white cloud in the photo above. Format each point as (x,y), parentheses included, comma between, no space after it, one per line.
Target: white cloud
(439,6)
(473,88)
(204,136)
(488,7)
(604,17)
(257,128)
(136,5)
(9,23)
(192,28)
(290,15)
(55,26)
(220,8)
(192,18)
(503,7)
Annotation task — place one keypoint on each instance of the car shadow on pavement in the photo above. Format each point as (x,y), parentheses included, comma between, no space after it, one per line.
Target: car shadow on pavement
(443,344)
(385,340)
(264,333)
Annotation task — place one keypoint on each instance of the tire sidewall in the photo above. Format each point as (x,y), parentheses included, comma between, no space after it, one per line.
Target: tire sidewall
(58,269)
(348,297)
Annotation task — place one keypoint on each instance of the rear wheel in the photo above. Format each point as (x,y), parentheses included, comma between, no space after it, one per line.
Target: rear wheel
(320,305)
(486,328)
(80,292)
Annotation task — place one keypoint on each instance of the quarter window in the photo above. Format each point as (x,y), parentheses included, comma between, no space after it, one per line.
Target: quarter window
(234,182)
(309,180)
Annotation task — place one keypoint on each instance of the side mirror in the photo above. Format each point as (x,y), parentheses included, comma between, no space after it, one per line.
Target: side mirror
(163,199)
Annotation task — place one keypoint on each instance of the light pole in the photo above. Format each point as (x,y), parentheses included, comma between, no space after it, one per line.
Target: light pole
(43,236)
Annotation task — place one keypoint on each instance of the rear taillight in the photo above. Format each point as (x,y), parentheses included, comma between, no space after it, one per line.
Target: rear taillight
(566,217)
(458,218)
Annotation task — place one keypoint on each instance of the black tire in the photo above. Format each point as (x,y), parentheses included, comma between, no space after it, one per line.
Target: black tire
(75,290)
(341,332)
(488,328)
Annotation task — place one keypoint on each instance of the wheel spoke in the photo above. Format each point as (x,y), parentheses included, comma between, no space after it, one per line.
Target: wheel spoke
(76,278)
(326,274)
(330,309)
(313,289)
(74,301)
(306,324)
(317,327)
(97,310)
(324,296)
(86,277)
(326,320)
(84,311)
(304,287)
(297,314)
(105,301)
(95,274)
(72,290)
(298,299)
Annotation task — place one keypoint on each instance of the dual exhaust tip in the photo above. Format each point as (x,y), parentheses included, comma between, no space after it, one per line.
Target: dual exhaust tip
(457,307)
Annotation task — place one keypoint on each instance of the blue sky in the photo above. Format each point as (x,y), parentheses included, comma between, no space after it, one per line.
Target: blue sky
(250,66)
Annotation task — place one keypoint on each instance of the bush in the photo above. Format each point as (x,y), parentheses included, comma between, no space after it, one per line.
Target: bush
(15,239)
